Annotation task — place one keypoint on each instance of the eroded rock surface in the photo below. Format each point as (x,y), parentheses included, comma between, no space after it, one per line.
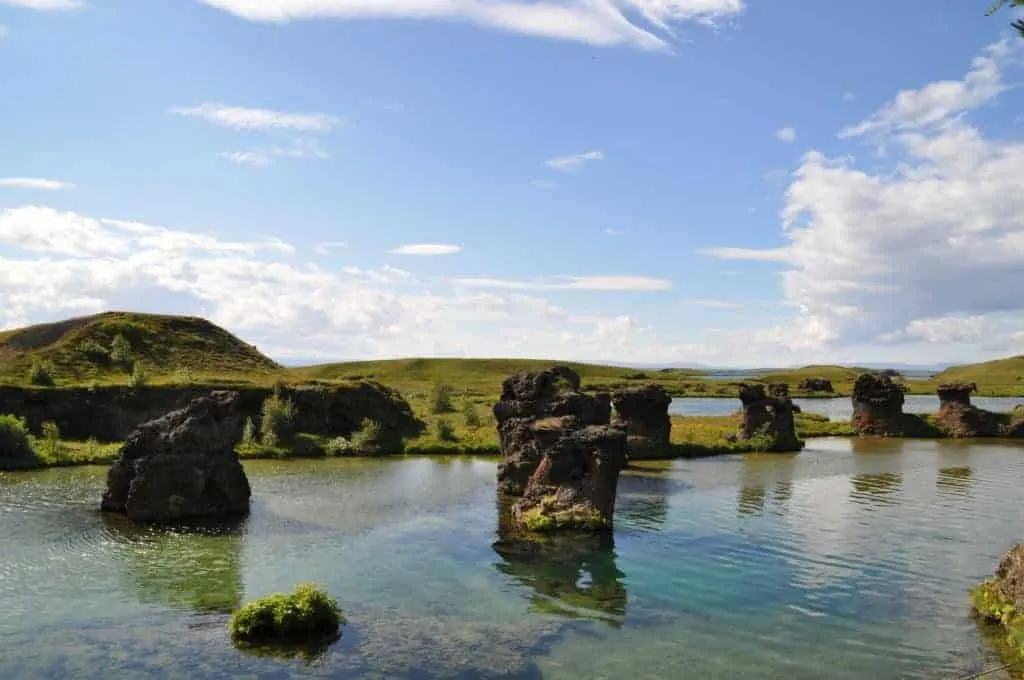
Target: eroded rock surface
(878,406)
(769,415)
(643,413)
(957,417)
(182,465)
(527,398)
(575,483)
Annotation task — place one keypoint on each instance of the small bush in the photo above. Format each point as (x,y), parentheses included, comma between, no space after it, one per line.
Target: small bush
(49,444)
(121,351)
(277,420)
(41,373)
(94,351)
(306,616)
(14,439)
(248,432)
(471,415)
(339,446)
(441,398)
(369,438)
(445,430)
(139,376)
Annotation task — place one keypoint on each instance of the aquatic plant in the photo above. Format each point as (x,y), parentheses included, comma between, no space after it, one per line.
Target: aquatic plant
(308,615)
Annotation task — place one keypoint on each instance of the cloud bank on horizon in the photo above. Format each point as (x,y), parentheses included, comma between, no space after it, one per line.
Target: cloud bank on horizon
(911,251)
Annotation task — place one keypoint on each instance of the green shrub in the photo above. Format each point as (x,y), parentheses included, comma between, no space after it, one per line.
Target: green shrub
(277,420)
(139,376)
(308,615)
(41,373)
(248,432)
(370,439)
(121,351)
(441,398)
(338,446)
(471,415)
(94,351)
(445,430)
(14,439)
(49,444)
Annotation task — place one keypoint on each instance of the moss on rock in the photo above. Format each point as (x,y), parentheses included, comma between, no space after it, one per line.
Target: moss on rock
(306,616)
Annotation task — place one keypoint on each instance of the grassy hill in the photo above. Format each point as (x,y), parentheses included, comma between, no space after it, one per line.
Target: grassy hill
(1004,375)
(104,347)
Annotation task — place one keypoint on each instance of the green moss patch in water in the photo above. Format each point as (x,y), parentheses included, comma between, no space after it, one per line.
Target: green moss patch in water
(542,518)
(991,605)
(307,616)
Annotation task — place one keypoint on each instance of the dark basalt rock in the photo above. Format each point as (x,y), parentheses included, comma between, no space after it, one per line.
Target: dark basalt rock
(878,406)
(769,415)
(958,418)
(815,385)
(575,483)
(643,413)
(182,465)
(527,398)
(111,413)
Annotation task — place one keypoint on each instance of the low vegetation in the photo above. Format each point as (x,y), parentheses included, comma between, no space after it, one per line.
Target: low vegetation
(306,616)
(991,606)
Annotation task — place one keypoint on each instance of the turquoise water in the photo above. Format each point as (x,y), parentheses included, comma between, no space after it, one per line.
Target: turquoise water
(840,408)
(850,560)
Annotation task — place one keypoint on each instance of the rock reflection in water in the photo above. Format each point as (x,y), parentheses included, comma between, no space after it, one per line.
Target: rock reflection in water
(954,480)
(757,474)
(572,574)
(195,567)
(876,490)
(643,497)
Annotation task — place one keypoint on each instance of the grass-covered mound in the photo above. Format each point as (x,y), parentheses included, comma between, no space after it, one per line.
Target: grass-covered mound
(119,347)
(307,617)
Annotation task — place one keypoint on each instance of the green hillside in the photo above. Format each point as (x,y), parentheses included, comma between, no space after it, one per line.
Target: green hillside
(105,347)
(1007,374)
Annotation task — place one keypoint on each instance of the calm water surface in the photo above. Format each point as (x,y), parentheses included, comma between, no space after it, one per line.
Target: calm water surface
(850,560)
(840,408)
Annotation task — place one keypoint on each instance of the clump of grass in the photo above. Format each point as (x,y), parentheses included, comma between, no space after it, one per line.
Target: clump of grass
(277,420)
(338,446)
(308,615)
(471,415)
(140,376)
(368,438)
(248,433)
(441,398)
(41,373)
(185,375)
(121,351)
(94,351)
(445,430)
(15,444)
(49,444)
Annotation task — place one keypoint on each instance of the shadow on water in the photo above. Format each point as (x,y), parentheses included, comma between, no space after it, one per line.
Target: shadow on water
(764,479)
(572,574)
(954,480)
(195,566)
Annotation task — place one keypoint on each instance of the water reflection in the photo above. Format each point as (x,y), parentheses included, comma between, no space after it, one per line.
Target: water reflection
(876,490)
(188,567)
(764,479)
(572,574)
(643,498)
(954,480)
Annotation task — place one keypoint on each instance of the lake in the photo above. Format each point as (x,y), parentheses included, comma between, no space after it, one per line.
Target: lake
(850,560)
(839,408)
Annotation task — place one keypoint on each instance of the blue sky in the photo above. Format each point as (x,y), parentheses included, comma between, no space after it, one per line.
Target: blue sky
(728,182)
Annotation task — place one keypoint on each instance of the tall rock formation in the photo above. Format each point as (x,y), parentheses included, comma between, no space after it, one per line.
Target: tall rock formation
(643,413)
(769,416)
(957,417)
(182,465)
(878,406)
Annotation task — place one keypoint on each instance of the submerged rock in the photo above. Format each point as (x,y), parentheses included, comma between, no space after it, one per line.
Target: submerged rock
(815,385)
(769,416)
(182,465)
(878,406)
(958,418)
(527,398)
(643,413)
(574,485)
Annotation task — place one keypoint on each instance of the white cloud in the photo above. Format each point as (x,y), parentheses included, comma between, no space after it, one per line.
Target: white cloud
(928,252)
(786,134)
(544,184)
(242,118)
(34,183)
(938,101)
(45,5)
(252,159)
(590,283)
(427,249)
(326,247)
(570,163)
(645,24)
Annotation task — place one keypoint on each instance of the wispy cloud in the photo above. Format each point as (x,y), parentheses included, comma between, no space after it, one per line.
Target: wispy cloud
(427,249)
(644,24)
(544,184)
(34,183)
(786,134)
(325,247)
(591,283)
(252,159)
(243,118)
(45,5)
(305,148)
(574,161)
